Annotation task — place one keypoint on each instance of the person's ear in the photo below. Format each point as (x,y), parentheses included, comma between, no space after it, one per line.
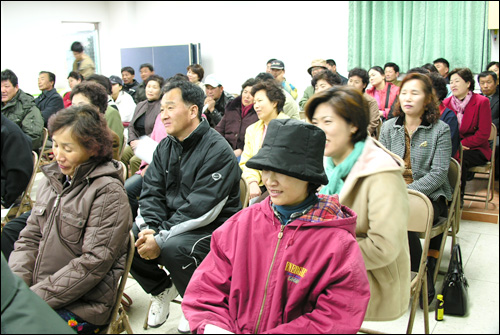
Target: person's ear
(193,112)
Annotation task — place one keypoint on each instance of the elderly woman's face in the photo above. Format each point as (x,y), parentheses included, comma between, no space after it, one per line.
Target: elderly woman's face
(153,90)
(246,96)
(266,110)
(284,190)
(338,132)
(412,98)
(69,153)
(459,87)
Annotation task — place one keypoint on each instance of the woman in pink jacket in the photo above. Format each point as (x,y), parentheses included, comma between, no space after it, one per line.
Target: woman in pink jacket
(384,92)
(289,264)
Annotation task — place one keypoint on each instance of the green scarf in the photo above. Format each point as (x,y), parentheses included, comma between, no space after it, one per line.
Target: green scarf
(336,174)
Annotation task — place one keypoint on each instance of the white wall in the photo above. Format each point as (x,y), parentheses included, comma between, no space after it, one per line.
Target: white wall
(237,38)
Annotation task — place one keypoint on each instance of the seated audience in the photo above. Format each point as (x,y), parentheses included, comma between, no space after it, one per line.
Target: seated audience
(238,116)
(195,73)
(74,79)
(124,101)
(384,92)
(269,100)
(83,64)
(474,121)
(129,83)
(20,108)
(143,121)
(324,80)
(362,172)
(216,100)
(332,66)
(391,71)
(493,67)
(145,70)
(290,108)
(277,69)
(443,67)
(423,141)
(317,66)
(190,188)
(49,101)
(72,252)
(488,81)
(16,162)
(319,260)
(358,78)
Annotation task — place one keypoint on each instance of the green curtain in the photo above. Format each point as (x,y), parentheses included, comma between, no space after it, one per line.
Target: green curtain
(412,33)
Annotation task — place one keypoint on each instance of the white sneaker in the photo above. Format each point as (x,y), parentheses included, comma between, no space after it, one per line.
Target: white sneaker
(183,327)
(160,307)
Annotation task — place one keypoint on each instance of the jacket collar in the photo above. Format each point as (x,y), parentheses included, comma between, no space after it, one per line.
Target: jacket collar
(194,137)
(401,120)
(49,93)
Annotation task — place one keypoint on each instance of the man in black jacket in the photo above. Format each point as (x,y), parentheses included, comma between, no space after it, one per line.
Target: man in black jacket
(49,102)
(129,83)
(190,188)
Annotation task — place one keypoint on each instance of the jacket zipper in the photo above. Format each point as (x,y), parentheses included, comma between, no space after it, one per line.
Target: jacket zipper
(280,235)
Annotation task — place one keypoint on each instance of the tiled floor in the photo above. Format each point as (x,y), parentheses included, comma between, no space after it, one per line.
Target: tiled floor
(479,242)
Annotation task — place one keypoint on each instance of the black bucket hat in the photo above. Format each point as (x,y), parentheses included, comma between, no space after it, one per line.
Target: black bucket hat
(293,148)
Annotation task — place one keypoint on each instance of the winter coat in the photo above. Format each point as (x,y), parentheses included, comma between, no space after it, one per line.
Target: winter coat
(233,126)
(476,124)
(219,109)
(131,88)
(381,228)
(253,143)
(264,277)
(85,67)
(73,249)
(374,115)
(430,154)
(49,103)
(393,94)
(151,109)
(21,110)
(114,122)
(189,184)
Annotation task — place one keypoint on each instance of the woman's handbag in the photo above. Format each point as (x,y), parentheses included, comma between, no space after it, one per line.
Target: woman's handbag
(455,286)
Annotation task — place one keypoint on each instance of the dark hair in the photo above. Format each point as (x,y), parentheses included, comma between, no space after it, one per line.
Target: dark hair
(149,66)
(328,76)
(439,84)
(485,74)
(248,82)
(178,76)
(155,77)
(95,92)
(192,94)
(430,67)
(52,77)
(466,74)
(88,127)
(128,69)
(271,60)
(75,75)
(393,65)
(490,64)
(274,92)
(198,69)
(264,76)
(77,47)
(348,103)
(362,73)
(378,69)
(10,76)
(331,62)
(420,70)
(442,60)
(431,109)
(100,79)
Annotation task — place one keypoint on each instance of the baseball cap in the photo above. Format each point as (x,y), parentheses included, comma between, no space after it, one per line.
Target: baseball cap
(277,64)
(116,80)
(212,81)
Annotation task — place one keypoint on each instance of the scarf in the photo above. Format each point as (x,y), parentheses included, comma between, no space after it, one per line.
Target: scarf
(337,174)
(245,110)
(459,106)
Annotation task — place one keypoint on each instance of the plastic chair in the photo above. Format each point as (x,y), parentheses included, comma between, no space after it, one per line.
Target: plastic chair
(420,220)
(489,170)
(119,317)
(244,193)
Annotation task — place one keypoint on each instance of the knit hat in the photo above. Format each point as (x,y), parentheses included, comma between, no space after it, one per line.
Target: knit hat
(317,63)
(293,148)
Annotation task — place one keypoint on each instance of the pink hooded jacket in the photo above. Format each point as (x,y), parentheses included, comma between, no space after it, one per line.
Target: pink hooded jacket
(263,277)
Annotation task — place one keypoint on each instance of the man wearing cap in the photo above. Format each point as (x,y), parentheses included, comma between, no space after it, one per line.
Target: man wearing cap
(49,102)
(317,66)
(277,69)
(296,249)
(216,100)
(124,101)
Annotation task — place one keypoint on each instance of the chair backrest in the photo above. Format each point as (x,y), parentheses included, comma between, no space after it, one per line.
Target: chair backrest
(493,133)
(454,173)
(493,137)
(44,139)
(244,192)
(116,145)
(121,285)
(124,170)
(379,127)
(26,203)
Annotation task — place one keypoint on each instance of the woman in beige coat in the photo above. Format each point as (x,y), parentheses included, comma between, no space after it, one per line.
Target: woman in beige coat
(368,179)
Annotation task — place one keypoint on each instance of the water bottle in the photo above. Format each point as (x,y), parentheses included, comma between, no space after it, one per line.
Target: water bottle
(439,308)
